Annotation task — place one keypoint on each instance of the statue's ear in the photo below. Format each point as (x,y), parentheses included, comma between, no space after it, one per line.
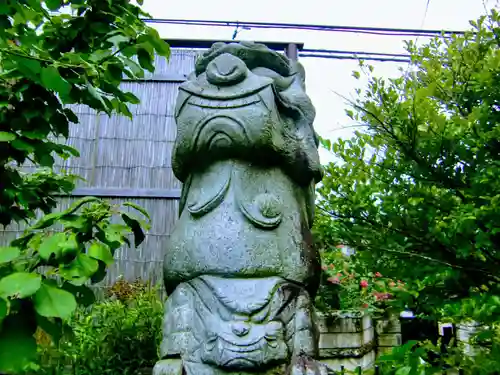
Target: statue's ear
(296,103)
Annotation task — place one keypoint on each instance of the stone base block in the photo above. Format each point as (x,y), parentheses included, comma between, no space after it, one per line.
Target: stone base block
(344,322)
(365,362)
(389,339)
(391,325)
(168,367)
(346,340)
(383,350)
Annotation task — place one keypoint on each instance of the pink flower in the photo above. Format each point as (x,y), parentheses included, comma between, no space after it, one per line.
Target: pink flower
(332,266)
(378,274)
(363,283)
(381,296)
(333,280)
(392,284)
(365,305)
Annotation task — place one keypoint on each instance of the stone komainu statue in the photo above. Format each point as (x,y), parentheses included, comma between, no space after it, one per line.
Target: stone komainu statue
(240,269)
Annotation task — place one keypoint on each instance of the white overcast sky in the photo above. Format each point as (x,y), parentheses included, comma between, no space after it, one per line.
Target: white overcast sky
(325,77)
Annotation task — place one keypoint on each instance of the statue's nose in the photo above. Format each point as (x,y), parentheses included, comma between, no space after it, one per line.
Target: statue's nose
(240,328)
(226,70)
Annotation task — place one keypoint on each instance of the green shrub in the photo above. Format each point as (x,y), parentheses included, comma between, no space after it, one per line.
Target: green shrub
(117,336)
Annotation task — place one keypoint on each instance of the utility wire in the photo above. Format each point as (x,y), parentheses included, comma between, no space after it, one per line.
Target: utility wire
(346,57)
(295,26)
(354,52)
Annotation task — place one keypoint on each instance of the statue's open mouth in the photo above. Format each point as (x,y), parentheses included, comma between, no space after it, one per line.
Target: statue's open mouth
(202,102)
(243,355)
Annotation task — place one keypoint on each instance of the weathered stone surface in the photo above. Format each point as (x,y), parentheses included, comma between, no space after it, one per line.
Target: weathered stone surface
(351,364)
(346,340)
(389,339)
(344,322)
(346,352)
(239,268)
(464,333)
(391,325)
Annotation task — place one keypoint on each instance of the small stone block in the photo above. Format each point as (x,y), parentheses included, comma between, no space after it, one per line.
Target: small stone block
(389,339)
(351,364)
(392,325)
(343,323)
(345,340)
(168,367)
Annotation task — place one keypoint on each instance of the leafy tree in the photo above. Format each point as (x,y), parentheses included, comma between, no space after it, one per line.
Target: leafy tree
(417,192)
(55,53)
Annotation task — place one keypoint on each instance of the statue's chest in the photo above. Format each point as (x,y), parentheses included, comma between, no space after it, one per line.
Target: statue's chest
(264,197)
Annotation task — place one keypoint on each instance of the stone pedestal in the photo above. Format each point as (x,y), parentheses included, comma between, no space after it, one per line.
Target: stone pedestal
(347,339)
(464,333)
(388,334)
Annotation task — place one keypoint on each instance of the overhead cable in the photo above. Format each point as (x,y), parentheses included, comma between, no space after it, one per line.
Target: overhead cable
(354,57)
(295,26)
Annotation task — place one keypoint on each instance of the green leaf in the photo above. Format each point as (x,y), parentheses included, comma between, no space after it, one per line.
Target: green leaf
(80,269)
(135,68)
(7,137)
(79,203)
(71,115)
(115,72)
(135,225)
(51,301)
(46,160)
(20,285)
(22,145)
(83,294)
(138,208)
(100,274)
(161,47)
(95,94)
(50,246)
(4,310)
(123,109)
(415,201)
(8,254)
(47,221)
(53,4)
(29,66)
(403,370)
(131,98)
(102,252)
(145,60)
(117,39)
(52,80)
(17,346)
(50,219)
(110,236)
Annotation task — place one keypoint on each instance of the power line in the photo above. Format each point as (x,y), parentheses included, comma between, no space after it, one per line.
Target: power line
(353,57)
(355,52)
(294,26)
(202,44)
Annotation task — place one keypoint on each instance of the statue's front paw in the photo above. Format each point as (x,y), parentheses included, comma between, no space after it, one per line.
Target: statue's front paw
(305,365)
